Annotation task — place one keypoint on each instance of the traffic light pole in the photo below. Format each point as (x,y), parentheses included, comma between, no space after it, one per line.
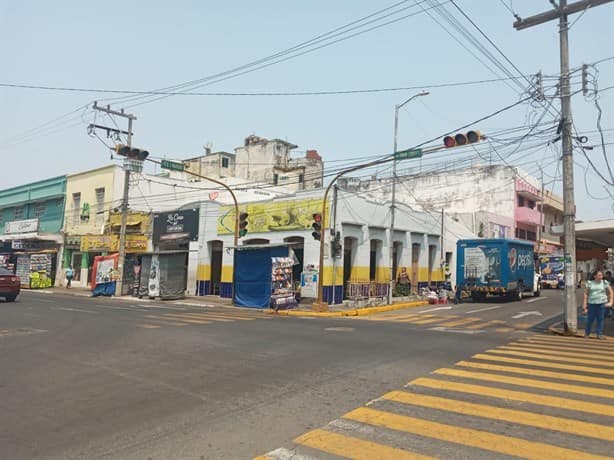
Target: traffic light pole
(234,197)
(569,208)
(126,192)
(394,189)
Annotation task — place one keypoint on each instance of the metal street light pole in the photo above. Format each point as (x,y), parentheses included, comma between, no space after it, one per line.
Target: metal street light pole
(394,187)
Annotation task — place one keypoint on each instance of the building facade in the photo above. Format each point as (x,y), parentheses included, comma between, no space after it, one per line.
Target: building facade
(31,220)
(362,267)
(493,201)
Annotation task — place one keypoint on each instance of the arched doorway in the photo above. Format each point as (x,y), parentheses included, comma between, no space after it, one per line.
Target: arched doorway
(216,249)
(297,243)
(349,250)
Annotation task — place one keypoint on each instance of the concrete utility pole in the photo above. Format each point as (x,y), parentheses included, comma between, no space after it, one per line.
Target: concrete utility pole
(394,189)
(561,12)
(124,207)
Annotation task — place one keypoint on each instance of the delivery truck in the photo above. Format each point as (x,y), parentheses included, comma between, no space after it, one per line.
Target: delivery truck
(496,267)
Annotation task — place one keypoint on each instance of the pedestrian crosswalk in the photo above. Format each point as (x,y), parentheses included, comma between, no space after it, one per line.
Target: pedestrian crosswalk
(187,318)
(452,322)
(540,397)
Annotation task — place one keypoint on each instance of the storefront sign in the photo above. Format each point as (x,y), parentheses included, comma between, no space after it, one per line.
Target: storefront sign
(21,226)
(272,216)
(98,243)
(110,243)
(25,245)
(176,225)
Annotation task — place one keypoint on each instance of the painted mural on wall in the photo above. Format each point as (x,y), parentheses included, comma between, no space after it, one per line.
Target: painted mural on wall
(278,216)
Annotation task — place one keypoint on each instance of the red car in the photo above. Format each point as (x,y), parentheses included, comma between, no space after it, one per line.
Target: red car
(10,285)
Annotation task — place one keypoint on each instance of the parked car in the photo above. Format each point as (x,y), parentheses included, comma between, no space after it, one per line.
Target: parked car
(10,285)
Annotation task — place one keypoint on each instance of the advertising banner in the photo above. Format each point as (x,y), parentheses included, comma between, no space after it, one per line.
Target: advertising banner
(278,216)
(176,225)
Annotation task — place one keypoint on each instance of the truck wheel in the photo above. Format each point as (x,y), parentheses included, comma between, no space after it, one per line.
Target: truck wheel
(519,293)
(537,292)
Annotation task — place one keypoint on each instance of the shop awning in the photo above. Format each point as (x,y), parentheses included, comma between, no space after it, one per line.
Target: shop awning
(33,236)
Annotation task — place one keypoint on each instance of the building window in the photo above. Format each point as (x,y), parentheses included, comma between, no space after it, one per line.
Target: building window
(39,210)
(531,236)
(301,178)
(520,201)
(99,211)
(19,213)
(275,179)
(531,204)
(224,162)
(76,208)
(521,233)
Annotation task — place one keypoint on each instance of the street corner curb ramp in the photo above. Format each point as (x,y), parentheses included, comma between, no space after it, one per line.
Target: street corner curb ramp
(353,312)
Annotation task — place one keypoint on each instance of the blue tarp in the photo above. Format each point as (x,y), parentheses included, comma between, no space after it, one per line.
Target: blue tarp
(106,289)
(252,275)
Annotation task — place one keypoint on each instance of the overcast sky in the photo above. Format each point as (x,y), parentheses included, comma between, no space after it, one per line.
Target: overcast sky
(142,46)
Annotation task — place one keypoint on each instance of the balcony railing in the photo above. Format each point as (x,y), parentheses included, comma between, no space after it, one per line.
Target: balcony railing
(528,216)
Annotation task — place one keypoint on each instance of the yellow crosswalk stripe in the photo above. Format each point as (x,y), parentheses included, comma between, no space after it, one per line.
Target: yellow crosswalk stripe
(460,322)
(575,341)
(395,317)
(552,358)
(350,447)
(485,324)
(466,436)
(520,417)
(184,320)
(537,372)
(513,395)
(163,322)
(523,325)
(431,320)
(540,346)
(560,352)
(569,367)
(211,315)
(148,326)
(531,383)
(504,329)
(201,318)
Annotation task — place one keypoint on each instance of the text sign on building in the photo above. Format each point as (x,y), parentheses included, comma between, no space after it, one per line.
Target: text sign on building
(176,225)
(21,226)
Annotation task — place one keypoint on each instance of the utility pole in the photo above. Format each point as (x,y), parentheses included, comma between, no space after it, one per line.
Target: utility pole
(124,207)
(561,12)
(394,188)
(334,229)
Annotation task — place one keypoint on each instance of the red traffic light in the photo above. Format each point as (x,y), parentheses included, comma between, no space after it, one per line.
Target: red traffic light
(317,217)
(462,139)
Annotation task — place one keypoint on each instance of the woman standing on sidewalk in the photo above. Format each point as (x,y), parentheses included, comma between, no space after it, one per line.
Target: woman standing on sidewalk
(597,296)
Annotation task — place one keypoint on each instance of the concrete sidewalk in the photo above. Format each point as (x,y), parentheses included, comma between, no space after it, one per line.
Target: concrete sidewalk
(608,327)
(304,309)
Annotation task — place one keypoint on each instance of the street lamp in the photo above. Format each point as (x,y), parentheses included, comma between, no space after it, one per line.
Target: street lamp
(394,187)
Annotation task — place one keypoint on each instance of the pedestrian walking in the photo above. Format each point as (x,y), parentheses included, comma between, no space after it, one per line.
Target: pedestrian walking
(70,274)
(597,297)
(403,282)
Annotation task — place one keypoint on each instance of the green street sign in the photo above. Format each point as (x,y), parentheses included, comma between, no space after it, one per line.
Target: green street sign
(407,154)
(172,165)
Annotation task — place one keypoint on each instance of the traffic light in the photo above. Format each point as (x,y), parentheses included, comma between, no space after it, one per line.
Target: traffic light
(243,224)
(317,226)
(336,246)
(131,152)
(459,139)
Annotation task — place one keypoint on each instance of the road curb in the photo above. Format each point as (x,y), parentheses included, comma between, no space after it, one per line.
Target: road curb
(354,312)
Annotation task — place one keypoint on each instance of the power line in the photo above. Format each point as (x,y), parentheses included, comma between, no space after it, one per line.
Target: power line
(264,93)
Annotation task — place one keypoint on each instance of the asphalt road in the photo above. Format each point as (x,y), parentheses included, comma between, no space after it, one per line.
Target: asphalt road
(102,378)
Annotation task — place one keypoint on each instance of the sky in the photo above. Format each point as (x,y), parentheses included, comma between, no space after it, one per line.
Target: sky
(137,46)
